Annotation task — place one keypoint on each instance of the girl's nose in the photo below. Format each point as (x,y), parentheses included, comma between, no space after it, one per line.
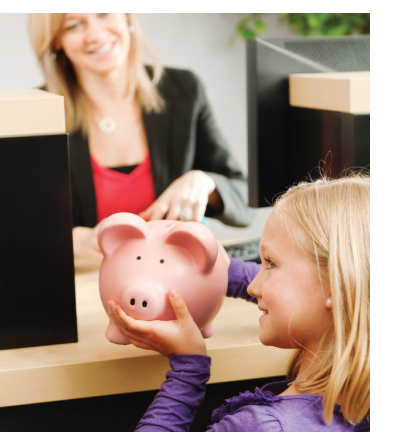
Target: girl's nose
(254,288)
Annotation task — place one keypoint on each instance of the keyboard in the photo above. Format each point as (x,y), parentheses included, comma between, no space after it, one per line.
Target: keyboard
(247,251)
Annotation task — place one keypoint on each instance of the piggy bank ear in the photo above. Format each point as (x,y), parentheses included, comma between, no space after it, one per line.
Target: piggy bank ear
(118,228)
(198,241)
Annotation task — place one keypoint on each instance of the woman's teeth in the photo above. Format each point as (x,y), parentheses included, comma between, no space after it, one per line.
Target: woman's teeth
(104,48)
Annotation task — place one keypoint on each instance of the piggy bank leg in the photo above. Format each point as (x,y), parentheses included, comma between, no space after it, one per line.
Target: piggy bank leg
(113,335)
(209,330)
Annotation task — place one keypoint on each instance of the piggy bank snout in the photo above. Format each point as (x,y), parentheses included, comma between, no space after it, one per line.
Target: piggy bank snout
(142,303)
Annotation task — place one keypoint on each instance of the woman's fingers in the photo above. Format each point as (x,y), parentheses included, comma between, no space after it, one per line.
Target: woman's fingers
(146,214)
(199,209)
(174,211)
(157,210)
(185,199)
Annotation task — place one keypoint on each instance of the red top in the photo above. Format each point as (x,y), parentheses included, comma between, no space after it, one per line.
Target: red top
(117,192)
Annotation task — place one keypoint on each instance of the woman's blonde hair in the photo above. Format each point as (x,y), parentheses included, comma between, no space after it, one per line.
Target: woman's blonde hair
(61,79)
(334,216)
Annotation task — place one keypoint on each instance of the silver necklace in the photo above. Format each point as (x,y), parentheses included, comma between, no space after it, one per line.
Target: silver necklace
(107,125)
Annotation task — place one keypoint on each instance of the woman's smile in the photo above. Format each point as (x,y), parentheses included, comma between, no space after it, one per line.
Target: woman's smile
(102,49)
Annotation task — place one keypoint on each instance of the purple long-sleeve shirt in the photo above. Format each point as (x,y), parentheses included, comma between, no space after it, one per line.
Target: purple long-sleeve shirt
(174,407)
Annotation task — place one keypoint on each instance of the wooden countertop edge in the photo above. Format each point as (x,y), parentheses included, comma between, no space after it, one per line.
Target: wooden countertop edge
(140,373)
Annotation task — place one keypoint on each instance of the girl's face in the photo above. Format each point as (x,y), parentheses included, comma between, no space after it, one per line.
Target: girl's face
(295,309)
(94,43)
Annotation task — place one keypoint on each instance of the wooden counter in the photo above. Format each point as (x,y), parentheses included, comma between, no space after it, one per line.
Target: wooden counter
(345,92)
(96,367)
(30,112)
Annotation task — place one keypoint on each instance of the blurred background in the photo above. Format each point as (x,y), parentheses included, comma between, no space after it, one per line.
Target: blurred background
(211,45)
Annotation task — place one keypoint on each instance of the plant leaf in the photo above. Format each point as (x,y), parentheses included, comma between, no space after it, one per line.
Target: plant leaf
(259,25)
(247,33)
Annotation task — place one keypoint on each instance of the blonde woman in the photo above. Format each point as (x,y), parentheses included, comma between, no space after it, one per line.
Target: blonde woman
(313,288)
(142,138)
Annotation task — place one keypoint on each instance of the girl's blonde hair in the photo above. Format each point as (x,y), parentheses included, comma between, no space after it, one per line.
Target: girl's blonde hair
(334,216)
(61,79)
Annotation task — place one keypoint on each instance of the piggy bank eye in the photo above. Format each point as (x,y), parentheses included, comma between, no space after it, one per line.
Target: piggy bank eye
(138,258)
(161,261)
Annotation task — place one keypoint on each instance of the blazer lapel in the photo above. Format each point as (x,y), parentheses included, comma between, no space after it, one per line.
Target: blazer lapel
(157,131)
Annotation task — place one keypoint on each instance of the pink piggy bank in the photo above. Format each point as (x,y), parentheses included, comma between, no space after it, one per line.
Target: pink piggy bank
(144,260)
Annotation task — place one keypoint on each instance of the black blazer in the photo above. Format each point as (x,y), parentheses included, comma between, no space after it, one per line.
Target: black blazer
(181,138)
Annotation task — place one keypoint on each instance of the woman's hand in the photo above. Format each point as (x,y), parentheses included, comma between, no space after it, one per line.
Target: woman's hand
(180,336)
(185,199)
(85,245)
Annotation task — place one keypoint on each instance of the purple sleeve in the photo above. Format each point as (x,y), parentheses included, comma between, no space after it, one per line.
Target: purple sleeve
(175,405)
(240,275)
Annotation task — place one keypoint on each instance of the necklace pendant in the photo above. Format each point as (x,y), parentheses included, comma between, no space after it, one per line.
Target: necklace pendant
(107,125)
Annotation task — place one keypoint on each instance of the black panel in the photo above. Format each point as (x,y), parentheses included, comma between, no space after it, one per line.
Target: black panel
(287,144)
(36,251)
(328,141)
(116,413)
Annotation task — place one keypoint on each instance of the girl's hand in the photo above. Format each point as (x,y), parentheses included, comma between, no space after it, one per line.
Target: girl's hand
(185,199)
(180,336)
(85,244)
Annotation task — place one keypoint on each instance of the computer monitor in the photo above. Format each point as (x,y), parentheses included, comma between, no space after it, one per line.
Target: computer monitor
(287,144)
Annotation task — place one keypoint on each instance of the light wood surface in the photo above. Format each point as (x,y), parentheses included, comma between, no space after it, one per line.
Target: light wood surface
(96,367)
(347,92)
(31,112)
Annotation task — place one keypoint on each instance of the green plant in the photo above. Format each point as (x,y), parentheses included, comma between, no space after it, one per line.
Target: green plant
(252,25)
(330,24)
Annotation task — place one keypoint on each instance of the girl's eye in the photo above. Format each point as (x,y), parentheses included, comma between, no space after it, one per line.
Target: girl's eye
(270,263)
(105,14)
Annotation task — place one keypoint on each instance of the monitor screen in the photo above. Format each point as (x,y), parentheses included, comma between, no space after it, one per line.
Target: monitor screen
(286,144)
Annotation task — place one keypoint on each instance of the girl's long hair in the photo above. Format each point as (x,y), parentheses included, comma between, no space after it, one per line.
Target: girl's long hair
(61,79)
(334,216)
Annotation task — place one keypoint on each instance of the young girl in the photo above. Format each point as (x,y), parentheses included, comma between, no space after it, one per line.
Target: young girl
(313,289)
